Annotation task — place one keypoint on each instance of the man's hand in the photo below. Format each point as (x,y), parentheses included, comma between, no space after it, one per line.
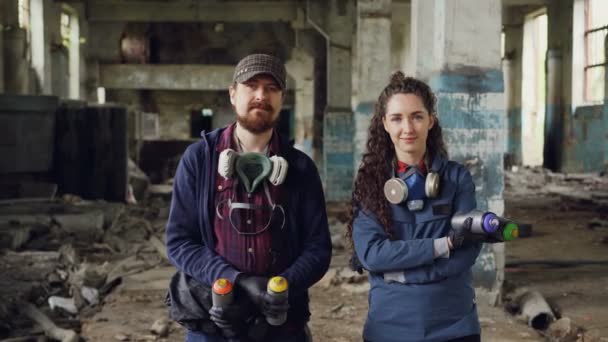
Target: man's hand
(460,236)
(230,318)
(255,287)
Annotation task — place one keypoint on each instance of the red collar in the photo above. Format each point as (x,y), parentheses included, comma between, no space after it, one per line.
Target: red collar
(401,166)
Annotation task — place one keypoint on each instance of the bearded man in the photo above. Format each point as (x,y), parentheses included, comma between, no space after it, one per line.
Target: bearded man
(247,206)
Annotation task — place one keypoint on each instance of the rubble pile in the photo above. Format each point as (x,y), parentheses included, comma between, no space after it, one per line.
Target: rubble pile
(60,258)
(574,189)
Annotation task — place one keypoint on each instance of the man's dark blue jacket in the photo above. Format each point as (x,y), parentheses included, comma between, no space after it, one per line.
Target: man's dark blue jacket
(190,237)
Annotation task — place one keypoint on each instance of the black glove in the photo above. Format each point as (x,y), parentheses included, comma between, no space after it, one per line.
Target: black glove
(459,236)
(355,263)
(230,318)
(255,288)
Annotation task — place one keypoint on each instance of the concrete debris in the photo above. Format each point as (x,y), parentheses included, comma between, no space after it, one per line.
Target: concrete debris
(122,337)
(138,181)
(90,294)
(66,304)
(356,288)
(161,190)
(337,241)
(343,275)
(560,329)
(160,327)
(86,226)
(70,253)
(576,189)
(50,329)
(597,224)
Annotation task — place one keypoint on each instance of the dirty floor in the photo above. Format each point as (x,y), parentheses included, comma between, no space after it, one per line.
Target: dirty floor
(567,225)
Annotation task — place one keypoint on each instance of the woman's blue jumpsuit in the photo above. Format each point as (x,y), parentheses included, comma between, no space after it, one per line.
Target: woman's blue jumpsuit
(434,300)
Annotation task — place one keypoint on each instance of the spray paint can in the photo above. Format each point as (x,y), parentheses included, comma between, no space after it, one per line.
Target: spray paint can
(222,295)
(484,222)
(277,288)
(508,230)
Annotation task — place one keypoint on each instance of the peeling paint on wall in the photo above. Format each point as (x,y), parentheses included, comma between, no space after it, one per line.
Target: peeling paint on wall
(471,111)
(338,155)
(586,149)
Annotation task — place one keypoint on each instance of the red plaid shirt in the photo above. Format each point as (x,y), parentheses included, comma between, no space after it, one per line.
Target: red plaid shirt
(248,253)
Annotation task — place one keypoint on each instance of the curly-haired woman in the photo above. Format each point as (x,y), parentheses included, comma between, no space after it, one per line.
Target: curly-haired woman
(405,194)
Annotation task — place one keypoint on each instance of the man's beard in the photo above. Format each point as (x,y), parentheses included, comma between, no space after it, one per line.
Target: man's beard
(255,123)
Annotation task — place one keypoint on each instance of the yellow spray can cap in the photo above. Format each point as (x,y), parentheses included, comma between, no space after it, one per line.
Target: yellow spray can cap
(277,284)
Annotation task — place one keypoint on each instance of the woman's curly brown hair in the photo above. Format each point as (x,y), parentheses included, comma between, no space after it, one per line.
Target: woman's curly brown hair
(378,160)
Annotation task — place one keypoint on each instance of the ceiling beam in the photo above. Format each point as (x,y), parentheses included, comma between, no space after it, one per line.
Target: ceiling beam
(165,76)
(509,3)
(189,11)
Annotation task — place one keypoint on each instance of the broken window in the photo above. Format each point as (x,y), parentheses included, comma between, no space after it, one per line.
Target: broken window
(596,28)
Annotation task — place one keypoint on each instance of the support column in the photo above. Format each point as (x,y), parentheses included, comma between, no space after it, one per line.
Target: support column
(1,54)
(559,137)
(338,123)
(422,33)
(554,139)
(16,68)
(471,109)
(513,23)
(373,65)
(605,120)
(301,68)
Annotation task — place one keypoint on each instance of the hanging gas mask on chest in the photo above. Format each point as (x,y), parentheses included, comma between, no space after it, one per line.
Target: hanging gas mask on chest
(252,169)
(412,187)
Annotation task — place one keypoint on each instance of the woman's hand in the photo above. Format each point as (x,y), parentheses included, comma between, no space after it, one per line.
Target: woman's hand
(460,235)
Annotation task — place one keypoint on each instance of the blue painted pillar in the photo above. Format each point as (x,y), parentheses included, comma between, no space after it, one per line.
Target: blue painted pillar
(469,86)
(338,122)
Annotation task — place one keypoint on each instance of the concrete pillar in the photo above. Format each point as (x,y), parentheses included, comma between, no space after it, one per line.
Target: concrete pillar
(14,50)
(469,86)
(554,139)
(559,137)
(16,65)
(3,23)
(373,64)
(301,68)
(401,53)
(605,116)
(422,33)
(513,23)
(1,57)
(338,123)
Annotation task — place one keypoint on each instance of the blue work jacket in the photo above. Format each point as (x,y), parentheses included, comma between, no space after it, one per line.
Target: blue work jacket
(435,301)
(190,237)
